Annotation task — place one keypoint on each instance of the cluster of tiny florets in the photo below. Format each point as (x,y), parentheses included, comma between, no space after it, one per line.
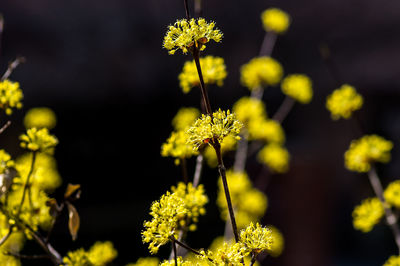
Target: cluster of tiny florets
(256,238)
(392,194)
(227,254)
(101,253)
(367,214)
(10,96)
(261,72)
(367,150)
(38,140)
(275,20)
(275,156)
(40,117)
(343,102)
(185,118)
(298,87)
(393,261)
(177,147)
(209,130)
(213,70)
(5,161)
(186,34)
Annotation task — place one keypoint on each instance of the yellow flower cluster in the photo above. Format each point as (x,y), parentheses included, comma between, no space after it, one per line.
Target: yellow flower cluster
(186,34)
(392,194)
(368,214)
(275,20)
(149,261)
(40,117)
(393,261)
(213,69)
(10,96)
(249,109)
(229,144)
(298,87)
(166,213)
(209,130)
(13,244)
(177,147)
(260,72)
(367,150)
(181,262)
(343,102)
(227,254)
(248,202)
(100,254)
(275,156)
(194,199)
(38,140)
(5,161)
(267,130)
(256,239)
(44,175)
(185,118)
(278,242)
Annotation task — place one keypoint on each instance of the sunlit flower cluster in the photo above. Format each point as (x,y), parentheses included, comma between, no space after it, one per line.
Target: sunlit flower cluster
(38,140)
(213,70)
(367,150)
(393,261)
(248,202)
(368,214)
(209,130)
(275,20)
(249,109)
(260,72)
(10,96)
(186,34)
(256,238)
(275,156)
(177,147)
(298,87)
(267,130)
(100,254)
(343,102)
(5,161)
(185,118)
(392,194)
(227,254)
(40,117)
(148,261)
(171,262)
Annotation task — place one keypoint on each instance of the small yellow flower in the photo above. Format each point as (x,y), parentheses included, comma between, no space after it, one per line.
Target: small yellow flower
(368,214)
(278,242)
(185,118)
(343,102)
(248,109)
(5,161)
(392,194)
(226,255)
(267,130)
(209,130)
(10,96)
(40,117)
(213,69)
(275,20)
(102,253)
(177,147)
(171,262)
(298,87)
(256,239)
(366,150)
(186,34)
(38,140)
(260,72)
(275,157)
(77,257)
(393,261)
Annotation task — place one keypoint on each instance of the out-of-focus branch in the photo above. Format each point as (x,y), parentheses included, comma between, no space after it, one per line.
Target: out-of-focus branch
(12,66)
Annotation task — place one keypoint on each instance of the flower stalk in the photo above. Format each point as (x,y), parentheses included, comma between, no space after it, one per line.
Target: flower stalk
(26,186)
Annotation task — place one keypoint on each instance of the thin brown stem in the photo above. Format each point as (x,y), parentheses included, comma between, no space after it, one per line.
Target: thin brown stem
(12,66)
(27,182)
(55,219)
(204,92)
(198,170)
(253,259)
(390,217)
(4,238)
(6,125)
(198,9)
(284,109)
(30,257)
(186,246)
(175,252)
(222,172)
(185,2)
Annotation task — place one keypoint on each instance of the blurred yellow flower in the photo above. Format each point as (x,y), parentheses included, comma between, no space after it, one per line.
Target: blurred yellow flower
(275,156)
(40,117)
(298,87)
(275,20)
(367,214)
(343,102)
(260,72)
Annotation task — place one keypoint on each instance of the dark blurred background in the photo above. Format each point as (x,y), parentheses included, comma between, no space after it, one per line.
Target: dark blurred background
(100,66)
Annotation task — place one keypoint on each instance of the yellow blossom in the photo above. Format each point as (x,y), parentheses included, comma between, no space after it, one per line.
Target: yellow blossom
(368,214)
(367,150)
(227,254)
(256,238)
(38,140)
(278,242)
(392,194)
(185,118)
(343,102)
(102,253)
(40,117)
(5,161)
(171,262)
(393,261)
(186,34)
(177,147)
(209,130)
(248,109)
(267,130)
(10,96)
(149,261)
(275,20)
(298,87)
(166,213)
(260,72)
(276,157)
(213,69)
(77,257)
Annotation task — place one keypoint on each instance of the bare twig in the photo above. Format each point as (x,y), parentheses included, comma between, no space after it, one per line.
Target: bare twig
(6,125)
(30,257)
(199,167)
(12,66)
(4,238)
(284,109)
